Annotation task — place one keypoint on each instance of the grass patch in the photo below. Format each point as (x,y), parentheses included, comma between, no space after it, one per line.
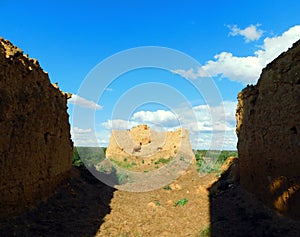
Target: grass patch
(211,161)
(124,164)
(181,202)
(163,160)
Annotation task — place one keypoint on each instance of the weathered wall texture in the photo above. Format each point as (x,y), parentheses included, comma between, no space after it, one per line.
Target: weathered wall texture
(35,144)
(154,145)
(268,130)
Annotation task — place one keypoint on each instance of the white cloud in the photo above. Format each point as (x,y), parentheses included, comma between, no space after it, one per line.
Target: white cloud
(217,123)
(82,102)
(190,73)
(274,46)
(109,89)
(215,119)
(214,127)
(163,117)
(119,124)
(157,119)
(246,69)
(80,130)
(205,141)
(88,137)
(83,137)
(250,33)
(242,69)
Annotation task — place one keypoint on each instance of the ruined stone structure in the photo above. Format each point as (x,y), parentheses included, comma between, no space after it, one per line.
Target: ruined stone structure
(35,144)
(144,146)
(268,129)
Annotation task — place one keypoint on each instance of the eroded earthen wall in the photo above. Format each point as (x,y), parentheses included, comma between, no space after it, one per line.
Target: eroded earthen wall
(268,130)
(35,144)
(153,145)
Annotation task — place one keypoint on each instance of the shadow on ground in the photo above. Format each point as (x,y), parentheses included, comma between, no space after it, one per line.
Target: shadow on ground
(236,212)
(76,209)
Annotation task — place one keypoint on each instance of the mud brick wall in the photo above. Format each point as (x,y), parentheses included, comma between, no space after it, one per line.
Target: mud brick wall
(154,145)
(268,129)
(35,144)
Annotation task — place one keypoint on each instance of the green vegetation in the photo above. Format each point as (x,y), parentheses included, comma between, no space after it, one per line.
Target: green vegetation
(205,232)
(211,161)
(90,156)
(123,178)
(181,202)
(157,203)
(167,187)
(207,161)
(163,160)
(76,161)
(125,164)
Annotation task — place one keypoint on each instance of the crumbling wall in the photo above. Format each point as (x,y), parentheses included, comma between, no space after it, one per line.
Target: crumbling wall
(268,129)
(153,145)
(35,144)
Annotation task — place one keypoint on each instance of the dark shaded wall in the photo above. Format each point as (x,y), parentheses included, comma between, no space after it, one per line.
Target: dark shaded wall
(268,129)
(35,143)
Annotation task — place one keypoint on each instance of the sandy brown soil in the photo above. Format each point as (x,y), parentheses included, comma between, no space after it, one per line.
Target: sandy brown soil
(86,207)
(154,213)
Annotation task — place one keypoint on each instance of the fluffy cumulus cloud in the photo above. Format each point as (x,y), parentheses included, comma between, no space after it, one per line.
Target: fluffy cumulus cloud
(81,131)
(242,69)
(119,124)
(88,137)
(158,118)
(220,141)
(162,117)
(190,73)
(250,33)
(215,126)
(209,127)
(82,102)
(218,118)
(246,69)
(83,137)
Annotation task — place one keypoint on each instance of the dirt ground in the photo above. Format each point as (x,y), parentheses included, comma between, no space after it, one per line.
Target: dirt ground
(86,207)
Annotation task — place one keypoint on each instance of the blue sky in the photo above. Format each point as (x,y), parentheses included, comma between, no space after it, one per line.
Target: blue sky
(232,40)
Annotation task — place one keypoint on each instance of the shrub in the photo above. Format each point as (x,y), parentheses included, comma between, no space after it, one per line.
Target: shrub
(167,187)
(211,161)
(76,161)
(205,232)
(90,156)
